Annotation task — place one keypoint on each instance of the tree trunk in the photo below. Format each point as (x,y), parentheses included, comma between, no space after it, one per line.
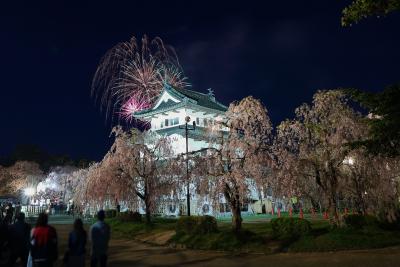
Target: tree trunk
(148,216)
(147,200)
(234,202)
(314,203)
(148,209)
(236,216)
(147,203)
(333,210)
(332,194)
(360,202)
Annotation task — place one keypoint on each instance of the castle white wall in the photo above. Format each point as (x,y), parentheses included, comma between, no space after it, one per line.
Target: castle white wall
(179,142)
(199,205)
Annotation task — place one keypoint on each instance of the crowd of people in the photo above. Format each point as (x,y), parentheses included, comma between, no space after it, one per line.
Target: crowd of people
(38,246)
(9,212)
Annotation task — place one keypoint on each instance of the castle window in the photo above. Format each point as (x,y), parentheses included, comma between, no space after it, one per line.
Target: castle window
(172,208)
(197,121)
(170,122)
(224,207)
(175,121)
(162,124)
(245,207)
(206,208)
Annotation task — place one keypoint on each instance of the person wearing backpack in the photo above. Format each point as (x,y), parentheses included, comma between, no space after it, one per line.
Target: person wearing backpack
(44,243)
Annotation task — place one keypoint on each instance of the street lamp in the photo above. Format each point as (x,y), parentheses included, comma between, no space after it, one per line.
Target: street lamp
(187,128)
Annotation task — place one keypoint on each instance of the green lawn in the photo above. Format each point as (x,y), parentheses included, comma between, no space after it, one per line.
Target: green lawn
(257,236)
(131,229)
(267,217)
(343,239)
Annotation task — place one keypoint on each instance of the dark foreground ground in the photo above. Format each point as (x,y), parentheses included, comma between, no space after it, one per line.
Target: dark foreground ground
(134,253)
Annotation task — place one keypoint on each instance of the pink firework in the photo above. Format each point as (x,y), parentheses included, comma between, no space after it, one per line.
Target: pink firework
(134,104)
(131,76)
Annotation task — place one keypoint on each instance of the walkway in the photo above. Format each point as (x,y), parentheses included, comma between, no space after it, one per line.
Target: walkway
(130,253)
(126,253)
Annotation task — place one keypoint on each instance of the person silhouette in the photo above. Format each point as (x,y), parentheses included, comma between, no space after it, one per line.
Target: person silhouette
(19,240)
(75,256)
(99,236)
(44,243)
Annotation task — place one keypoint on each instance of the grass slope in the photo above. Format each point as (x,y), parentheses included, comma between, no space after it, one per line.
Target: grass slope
(257,236)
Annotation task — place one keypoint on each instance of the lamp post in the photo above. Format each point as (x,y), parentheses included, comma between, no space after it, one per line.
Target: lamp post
(187,128)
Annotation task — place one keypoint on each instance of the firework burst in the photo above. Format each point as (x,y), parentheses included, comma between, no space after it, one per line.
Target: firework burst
(130,77)
(134,104)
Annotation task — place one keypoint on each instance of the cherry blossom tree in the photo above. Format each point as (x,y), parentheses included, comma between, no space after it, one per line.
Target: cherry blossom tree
(136,167)
(56,186)
(6,180)
(310,150)
(387,190)
(23,174)
(372,183)
(238,154)
(85,192)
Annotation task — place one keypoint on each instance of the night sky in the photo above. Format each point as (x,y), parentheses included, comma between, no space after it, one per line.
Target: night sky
(279,51)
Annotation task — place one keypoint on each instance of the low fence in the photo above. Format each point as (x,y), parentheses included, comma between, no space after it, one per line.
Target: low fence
(34,210)
(308,213)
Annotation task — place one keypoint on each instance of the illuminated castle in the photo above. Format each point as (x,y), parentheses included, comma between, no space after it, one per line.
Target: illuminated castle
(167,117)
(174,107)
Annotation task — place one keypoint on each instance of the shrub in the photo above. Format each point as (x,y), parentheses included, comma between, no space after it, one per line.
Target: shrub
(130,216)
(111,213)
(206,225)
(358,221)
(290,228)
(186,225)
(389,224)
(196,225)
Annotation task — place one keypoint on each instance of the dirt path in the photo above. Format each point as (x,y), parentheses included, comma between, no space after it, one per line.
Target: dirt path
(130,253)
(124,253)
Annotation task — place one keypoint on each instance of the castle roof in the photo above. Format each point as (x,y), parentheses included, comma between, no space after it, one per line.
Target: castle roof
(173,98)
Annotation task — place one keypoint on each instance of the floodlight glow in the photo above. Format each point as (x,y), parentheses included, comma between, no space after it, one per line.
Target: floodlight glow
(29,191)
(349,161)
